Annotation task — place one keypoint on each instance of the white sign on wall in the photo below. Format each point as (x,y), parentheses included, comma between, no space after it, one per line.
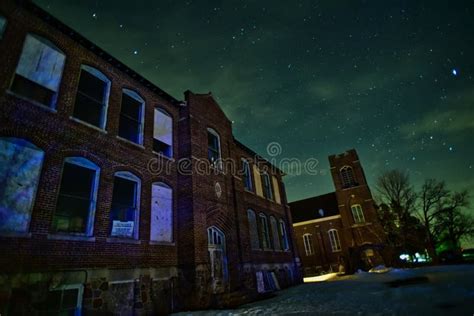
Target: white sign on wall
(124,229)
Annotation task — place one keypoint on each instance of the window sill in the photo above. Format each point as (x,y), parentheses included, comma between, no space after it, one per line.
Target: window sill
(74,119)
(163,156)
(70,237)
(161,243)
(361,224)
(123,240)
(249,191)
(130,142)
(36,103)
(15,235)
(335,251)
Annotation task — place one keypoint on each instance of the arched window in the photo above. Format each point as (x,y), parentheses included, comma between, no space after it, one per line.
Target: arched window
(246,175)
(161,225)
(39,71)
(308,244)
(214,148)
(215,237)
(92,97)
(125,210)
(163,133)
(284,236)
(132,114)
(253,230)
(216,246)
(334,240)
(267,186)
(357,213)
(347,177)
(75,209)
(20,169)
(275,235)
(264,232)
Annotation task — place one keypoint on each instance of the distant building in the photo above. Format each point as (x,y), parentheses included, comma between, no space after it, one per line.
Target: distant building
(341,227)
(115,198)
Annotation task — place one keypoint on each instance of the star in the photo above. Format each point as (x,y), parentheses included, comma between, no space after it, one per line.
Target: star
(454,72)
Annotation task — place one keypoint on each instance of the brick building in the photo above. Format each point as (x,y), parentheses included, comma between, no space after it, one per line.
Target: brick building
(340,227)
(115,196)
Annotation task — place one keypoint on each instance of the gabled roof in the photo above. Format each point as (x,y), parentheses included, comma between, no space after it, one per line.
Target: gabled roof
(309,209)
(84,42)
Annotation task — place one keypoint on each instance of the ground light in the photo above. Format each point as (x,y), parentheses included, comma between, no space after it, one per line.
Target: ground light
(320,278)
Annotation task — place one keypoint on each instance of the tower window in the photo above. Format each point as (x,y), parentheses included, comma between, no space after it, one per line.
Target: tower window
(347,177)
(357,214)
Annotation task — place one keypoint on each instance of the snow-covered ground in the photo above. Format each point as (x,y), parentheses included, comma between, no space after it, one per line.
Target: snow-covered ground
(448,290)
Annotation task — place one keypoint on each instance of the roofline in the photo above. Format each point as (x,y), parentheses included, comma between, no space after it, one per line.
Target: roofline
(87,44)
(253,153)
(317,220)
(312,197)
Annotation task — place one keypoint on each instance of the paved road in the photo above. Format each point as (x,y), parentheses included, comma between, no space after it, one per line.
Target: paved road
(441,290)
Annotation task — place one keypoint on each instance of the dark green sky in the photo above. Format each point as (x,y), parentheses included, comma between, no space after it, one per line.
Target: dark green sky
(319,77)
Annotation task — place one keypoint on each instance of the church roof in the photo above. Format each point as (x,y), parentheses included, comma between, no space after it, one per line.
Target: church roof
(314,207)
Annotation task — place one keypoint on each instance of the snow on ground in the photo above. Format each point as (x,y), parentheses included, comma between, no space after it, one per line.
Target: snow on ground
(448,290)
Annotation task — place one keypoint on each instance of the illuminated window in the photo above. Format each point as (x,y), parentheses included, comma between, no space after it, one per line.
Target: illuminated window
(308,244)
(3,25)
(334,240)
(213,148)
(92,97)
(161,213)
(347,177)
(163,133)
(246,175)
(253,230)
(275,235)
(267,186)
(264,233)
(284,236)
(357,213)
(20,169)
(125,206)
(76,204)
(39,71)
(131,117)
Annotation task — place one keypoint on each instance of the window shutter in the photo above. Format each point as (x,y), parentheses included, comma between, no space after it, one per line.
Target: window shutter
(258,181)
(161,214)
(163,128)
(41,63)
(276,188)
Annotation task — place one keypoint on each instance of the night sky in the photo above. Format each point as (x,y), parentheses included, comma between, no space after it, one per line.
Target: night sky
(393,79)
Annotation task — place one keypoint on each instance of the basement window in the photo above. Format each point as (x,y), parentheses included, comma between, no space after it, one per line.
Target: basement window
(65,300)
(39,71)
(163,133)
(125,202)
(76,204)
(92,97)
(131,117)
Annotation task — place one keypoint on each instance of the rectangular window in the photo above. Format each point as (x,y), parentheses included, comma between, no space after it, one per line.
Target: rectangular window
(258,181)
(163,134)
(213,147)
(253,230)
(275,235)
(265,235)
(130,125)
(276,188)
(90,105)
(267,187)
(75,199)
(284,236)
(124,207)
(65,300)
(161,213)
(39,71)
(246,175)
(308,244)
(3,25)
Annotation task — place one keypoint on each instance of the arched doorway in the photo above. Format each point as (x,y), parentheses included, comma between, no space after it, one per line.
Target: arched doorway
(218,259)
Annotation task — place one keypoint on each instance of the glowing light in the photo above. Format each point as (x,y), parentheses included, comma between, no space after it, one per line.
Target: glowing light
(135,52)
(320,278)
(454,72)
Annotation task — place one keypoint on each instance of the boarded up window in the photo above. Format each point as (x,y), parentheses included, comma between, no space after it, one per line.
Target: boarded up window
(92,97)
(276,188)
(161,213)
(253,230)
(275,235)
(20,168)
(163,134)
(39,71)
(131,117)
(123,214)
(76,200)
(258,181)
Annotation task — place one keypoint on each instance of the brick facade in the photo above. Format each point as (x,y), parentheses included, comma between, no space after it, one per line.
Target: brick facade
(116,274)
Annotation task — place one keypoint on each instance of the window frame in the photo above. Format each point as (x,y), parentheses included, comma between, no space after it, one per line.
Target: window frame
(254,245)
(267,186)
(308,244)
(105,102)
(127,175)
(84,163)
(164,185)
(218,162)
(334,240)
(284,235)
(159,109)
(264,230)
(247,175)
(360,218)
(134,95)
(276,240)
(347,177)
